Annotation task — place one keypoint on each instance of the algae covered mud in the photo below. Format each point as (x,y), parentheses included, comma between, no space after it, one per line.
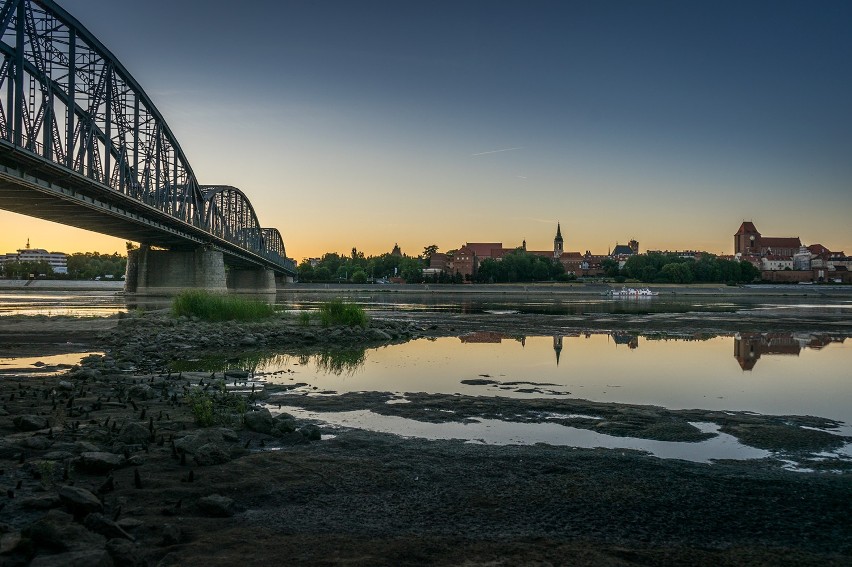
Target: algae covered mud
(475,430)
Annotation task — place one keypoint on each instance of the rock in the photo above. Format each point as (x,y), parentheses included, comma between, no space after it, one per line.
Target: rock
(65,386)
(129,523)
(41,502)
(260,421)
(125,553)
(9,542)
(283,426)
(212,454)
(216,506)
(85,558)
(57,531)
(292,438)
(57,455)
(172,534)
(85,374)
(106,527)
(85,447)
(100,461)
(30,422)
(218,435)
(134,434)
(248,340)
(141,392)
(79,500)
(37,442)
(378,335)
(236,374)
(312,432)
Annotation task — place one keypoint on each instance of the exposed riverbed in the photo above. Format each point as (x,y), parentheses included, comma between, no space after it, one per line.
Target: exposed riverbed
(672,434)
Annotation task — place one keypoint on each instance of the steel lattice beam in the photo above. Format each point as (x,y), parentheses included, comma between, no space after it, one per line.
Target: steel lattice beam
(70,110)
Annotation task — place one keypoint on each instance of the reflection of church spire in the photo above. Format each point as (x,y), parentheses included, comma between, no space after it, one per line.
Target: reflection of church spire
(557,346)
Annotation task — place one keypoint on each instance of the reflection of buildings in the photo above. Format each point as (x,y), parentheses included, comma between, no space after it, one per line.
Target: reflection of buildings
(749,347)
(496,338)
(631,341)
(483,337)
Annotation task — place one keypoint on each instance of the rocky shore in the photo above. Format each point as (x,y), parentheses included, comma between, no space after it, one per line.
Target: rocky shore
(125,460)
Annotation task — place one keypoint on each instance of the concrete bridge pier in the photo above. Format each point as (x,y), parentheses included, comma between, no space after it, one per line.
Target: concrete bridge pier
(168,272)
(257,280)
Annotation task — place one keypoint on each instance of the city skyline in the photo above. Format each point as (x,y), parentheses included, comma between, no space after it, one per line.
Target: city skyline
(363,125)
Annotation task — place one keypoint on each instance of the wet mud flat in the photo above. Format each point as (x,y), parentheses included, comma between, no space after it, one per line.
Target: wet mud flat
(107,465)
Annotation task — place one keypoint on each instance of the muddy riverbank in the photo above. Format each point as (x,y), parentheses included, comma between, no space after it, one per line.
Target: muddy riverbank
(108,465)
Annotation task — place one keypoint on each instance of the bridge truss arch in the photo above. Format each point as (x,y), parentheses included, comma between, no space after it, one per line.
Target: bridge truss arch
(231,216)
(70,109)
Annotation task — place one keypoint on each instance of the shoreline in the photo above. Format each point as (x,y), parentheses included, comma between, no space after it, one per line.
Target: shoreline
(551,289)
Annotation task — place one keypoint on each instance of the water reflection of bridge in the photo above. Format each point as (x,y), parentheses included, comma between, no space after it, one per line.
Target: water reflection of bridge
(749,347)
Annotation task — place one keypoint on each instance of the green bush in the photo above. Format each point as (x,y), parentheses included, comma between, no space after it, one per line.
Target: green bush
(216,407)
(305,318)
(336,312)
(219,307)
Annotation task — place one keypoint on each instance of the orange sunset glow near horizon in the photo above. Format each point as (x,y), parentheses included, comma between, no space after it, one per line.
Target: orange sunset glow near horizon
(445,123)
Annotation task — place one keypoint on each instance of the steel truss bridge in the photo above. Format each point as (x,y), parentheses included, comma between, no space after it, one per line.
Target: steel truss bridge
(82,144)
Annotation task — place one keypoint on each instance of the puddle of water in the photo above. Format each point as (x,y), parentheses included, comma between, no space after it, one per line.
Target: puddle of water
(41,365)
(496,432)
(780,374)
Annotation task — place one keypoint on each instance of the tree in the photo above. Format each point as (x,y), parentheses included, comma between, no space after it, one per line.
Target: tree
(359,277)
(322,274)
(428,252)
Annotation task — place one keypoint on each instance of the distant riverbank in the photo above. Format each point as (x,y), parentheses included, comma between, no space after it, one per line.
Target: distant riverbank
(592,289)
(572,289)
(62,285)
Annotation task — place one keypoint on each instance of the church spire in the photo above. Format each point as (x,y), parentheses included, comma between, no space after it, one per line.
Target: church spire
(557,242)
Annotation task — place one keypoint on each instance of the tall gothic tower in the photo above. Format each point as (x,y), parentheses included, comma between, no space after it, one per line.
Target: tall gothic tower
(557,242)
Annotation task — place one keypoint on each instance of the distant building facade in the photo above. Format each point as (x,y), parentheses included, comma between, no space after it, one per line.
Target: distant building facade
(58,261)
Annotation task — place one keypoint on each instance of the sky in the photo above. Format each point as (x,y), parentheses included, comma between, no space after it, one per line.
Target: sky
(365,124)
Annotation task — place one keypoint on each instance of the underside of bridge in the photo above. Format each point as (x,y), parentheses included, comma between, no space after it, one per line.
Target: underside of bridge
(82,144)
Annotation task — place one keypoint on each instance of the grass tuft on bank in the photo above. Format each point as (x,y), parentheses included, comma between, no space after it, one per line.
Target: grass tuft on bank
(337,312)
(218,307)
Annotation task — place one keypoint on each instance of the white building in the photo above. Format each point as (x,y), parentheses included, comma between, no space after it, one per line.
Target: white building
(56,260)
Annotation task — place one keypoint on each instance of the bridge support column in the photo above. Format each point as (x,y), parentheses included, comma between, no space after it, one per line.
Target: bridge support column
(257,280)
(168,272)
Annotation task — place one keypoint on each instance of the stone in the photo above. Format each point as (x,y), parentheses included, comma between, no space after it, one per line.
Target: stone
(84,447)
(41,502)
(125,553)
(216,505)
(65,386)
(30,422)
(9,542)
(172,534)
(79,500)
(141,392)
(236,374)
(85,558)
(37,442)
(100,461)
(57,531)
(378,335)
(100,524)
(217,435)
(312,432)
(134,433)
(211,454)
(57,455)
(260,421)
(129,523)
(248,340)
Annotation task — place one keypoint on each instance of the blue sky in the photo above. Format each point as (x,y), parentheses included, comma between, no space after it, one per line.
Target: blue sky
(369,123)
